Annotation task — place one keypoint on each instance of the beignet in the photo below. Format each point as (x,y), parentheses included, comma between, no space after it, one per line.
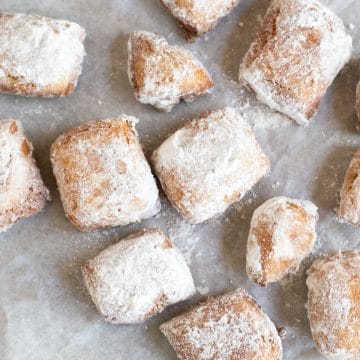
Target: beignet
(103,176)
(22,191)
(162,75)
(349,210)
(334,304)
(227,327)
(298,51)
(282,234)
(39,56)
(138,277)
(198,16)
(209,164)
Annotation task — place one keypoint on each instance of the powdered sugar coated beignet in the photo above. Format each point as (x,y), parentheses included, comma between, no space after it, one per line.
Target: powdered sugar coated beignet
(298,51)
(282,234)
(138,277)
(334,305)
(199,16)
(227,327)
(161,75)
(349,210)
(39,56)
(22,191)
(102,174)
(210,163)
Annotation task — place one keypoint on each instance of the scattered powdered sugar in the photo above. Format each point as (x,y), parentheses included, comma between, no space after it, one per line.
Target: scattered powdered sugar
(213,161)
(182,233)
(138,277)
(222,327)
(299,50)
(260,116)
(202,290)
(167,74)
(351,26)
(39,50)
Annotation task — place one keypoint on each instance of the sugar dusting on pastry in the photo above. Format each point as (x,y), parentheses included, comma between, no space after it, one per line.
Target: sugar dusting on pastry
(282,234)
(162,74)
(102,174)
(296,55)
(333,304)
(138,277)
(349,209)
(210,163)
(22,191)
(199,16)
(224,327)
(37,52)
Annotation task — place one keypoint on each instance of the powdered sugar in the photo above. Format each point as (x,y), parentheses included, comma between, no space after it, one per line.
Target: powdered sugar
(260,116)
(213,161)
(40,51)
(298,52)
(162,75)
(138,277)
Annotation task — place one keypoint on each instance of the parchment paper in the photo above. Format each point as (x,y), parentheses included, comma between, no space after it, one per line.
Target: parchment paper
(45,312)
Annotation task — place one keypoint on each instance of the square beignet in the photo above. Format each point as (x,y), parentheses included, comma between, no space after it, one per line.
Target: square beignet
(227,327)
(210,163)
(138,277)
(334,304)
(198,16)
(22,191)
(349,210)
(103,176)
(39,56)
(299,49)
(162,74)
(282,234)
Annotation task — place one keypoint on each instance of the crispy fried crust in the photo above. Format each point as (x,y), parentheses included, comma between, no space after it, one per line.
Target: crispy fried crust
(22,191)
(227,327)
(162,75)
(12,85)
(102,174)
(334,304)
(349,210)
(282,234)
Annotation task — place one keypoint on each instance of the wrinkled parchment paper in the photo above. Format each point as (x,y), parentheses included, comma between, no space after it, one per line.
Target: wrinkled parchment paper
(45,312)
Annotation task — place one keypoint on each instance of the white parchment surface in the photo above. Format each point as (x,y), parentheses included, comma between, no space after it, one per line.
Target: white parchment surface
(45,312)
